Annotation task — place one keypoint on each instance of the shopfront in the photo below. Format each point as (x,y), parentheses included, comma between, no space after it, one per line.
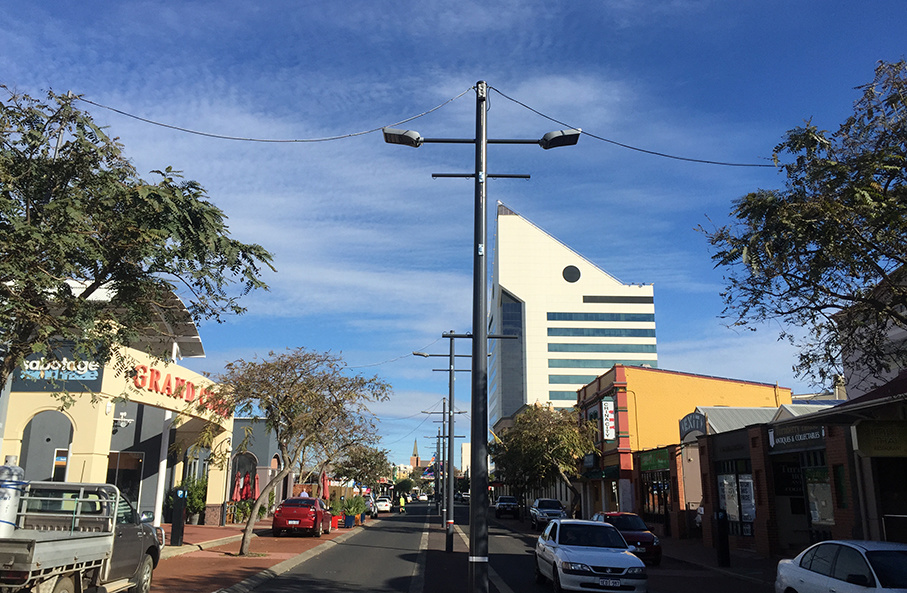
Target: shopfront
(655,492)
(803,487)
(733,474)
(71,419)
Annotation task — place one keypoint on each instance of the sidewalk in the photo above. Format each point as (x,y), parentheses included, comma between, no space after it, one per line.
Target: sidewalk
(207,561)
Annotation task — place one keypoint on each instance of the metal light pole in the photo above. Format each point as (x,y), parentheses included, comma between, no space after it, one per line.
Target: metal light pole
(478,485)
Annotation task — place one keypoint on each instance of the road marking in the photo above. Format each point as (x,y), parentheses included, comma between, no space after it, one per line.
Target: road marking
(499,583)
(417,580)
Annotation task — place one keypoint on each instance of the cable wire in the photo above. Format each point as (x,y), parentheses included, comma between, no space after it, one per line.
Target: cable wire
(627,146)
(269,140)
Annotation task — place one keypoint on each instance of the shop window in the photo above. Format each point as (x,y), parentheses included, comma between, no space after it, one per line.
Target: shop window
(736,495)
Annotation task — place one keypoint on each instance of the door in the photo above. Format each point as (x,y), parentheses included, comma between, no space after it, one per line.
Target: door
(128,542)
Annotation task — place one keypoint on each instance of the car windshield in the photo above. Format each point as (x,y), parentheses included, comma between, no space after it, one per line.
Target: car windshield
(550,504)
(890,566)
(627,522)
(507,499)
(593,536)
(299,502)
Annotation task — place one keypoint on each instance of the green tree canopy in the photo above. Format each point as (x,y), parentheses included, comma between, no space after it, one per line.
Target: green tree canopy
(543,444)
(825,256)
(404,486)
(306,400)
(364,465)
(92,254)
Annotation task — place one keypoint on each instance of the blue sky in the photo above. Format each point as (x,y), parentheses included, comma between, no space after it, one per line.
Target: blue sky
(374,257)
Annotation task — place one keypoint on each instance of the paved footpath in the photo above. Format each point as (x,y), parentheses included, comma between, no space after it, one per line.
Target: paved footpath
(208,560)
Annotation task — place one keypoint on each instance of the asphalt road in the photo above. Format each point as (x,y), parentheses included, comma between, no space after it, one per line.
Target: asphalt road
(392,556)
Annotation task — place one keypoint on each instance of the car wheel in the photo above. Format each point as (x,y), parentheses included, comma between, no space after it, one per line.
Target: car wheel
(64,585)
(533,524)
(277,532)
(319,529)
(328,528)
(555,580)
(539,577)
(143,577)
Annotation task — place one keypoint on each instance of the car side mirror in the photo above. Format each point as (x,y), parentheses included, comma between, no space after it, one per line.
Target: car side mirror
(146,517)
(631,548)
(858,579)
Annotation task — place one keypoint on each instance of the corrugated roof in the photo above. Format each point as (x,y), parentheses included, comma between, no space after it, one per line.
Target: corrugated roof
(723,419)
(791,411)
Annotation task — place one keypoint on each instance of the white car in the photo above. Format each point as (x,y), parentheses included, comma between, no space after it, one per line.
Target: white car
(845,566)
(581,555)
(383,505)
(423,497)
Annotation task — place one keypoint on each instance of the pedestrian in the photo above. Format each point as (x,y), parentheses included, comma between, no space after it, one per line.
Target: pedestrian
(402,505)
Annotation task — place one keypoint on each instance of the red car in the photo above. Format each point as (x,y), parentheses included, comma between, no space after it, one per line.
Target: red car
(302,514)
(637,534)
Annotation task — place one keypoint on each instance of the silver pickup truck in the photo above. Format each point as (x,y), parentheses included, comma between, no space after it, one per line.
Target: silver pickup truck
(73,537)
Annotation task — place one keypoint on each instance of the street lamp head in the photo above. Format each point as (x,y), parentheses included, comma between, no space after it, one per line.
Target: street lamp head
(557,139)
(423,354)
(404,137)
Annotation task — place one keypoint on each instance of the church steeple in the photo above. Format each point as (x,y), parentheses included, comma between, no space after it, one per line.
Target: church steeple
(414,460)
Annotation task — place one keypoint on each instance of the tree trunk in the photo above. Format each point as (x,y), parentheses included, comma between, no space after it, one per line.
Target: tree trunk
(246,541)
(577,497)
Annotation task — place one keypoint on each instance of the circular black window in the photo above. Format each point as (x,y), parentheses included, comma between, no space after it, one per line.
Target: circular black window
(571,273)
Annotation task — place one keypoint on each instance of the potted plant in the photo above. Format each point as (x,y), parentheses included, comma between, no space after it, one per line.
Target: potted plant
(336,513)
(349,516)
(196,498)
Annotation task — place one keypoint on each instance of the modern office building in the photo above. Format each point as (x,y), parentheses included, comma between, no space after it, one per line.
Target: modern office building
(573,321)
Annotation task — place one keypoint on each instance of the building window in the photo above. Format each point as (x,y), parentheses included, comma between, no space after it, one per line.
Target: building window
(641,348)
(631,317)
(736,495)
(840,486)
(590,332)
(576,363)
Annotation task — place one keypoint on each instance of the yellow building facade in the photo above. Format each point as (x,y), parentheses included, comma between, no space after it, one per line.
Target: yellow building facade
(638,408)
(124,419)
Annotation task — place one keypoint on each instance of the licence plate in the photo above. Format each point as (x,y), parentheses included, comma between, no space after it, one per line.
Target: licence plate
(609,582)
(292,522)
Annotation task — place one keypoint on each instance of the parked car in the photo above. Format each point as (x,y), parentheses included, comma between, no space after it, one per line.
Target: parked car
(845,566)
(545,509)
(637,534)
(302,514)
(580,555)
(506,505)
(423,497)
(383,504)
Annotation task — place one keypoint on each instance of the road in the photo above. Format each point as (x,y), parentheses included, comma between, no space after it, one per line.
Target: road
(396,555)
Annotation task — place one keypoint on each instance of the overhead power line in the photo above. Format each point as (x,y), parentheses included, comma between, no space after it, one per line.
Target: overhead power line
(414,117)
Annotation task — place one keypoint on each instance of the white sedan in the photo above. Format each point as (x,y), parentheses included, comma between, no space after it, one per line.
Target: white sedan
(581,555)
(845,566)
(383,505)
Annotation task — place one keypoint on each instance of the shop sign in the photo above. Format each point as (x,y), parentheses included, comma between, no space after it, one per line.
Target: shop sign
(693,423)
(654,460)
(171,385)
(60,371)
(609,432)
(788,480)
(882,439)
(791,437)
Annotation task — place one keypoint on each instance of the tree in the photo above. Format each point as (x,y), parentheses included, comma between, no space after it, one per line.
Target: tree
(93,255)
(404,486)
(364,465)
(827,254)
(304,399)
(543,444)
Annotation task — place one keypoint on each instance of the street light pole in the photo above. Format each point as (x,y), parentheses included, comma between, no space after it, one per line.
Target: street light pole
(478,484)
(478,509)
